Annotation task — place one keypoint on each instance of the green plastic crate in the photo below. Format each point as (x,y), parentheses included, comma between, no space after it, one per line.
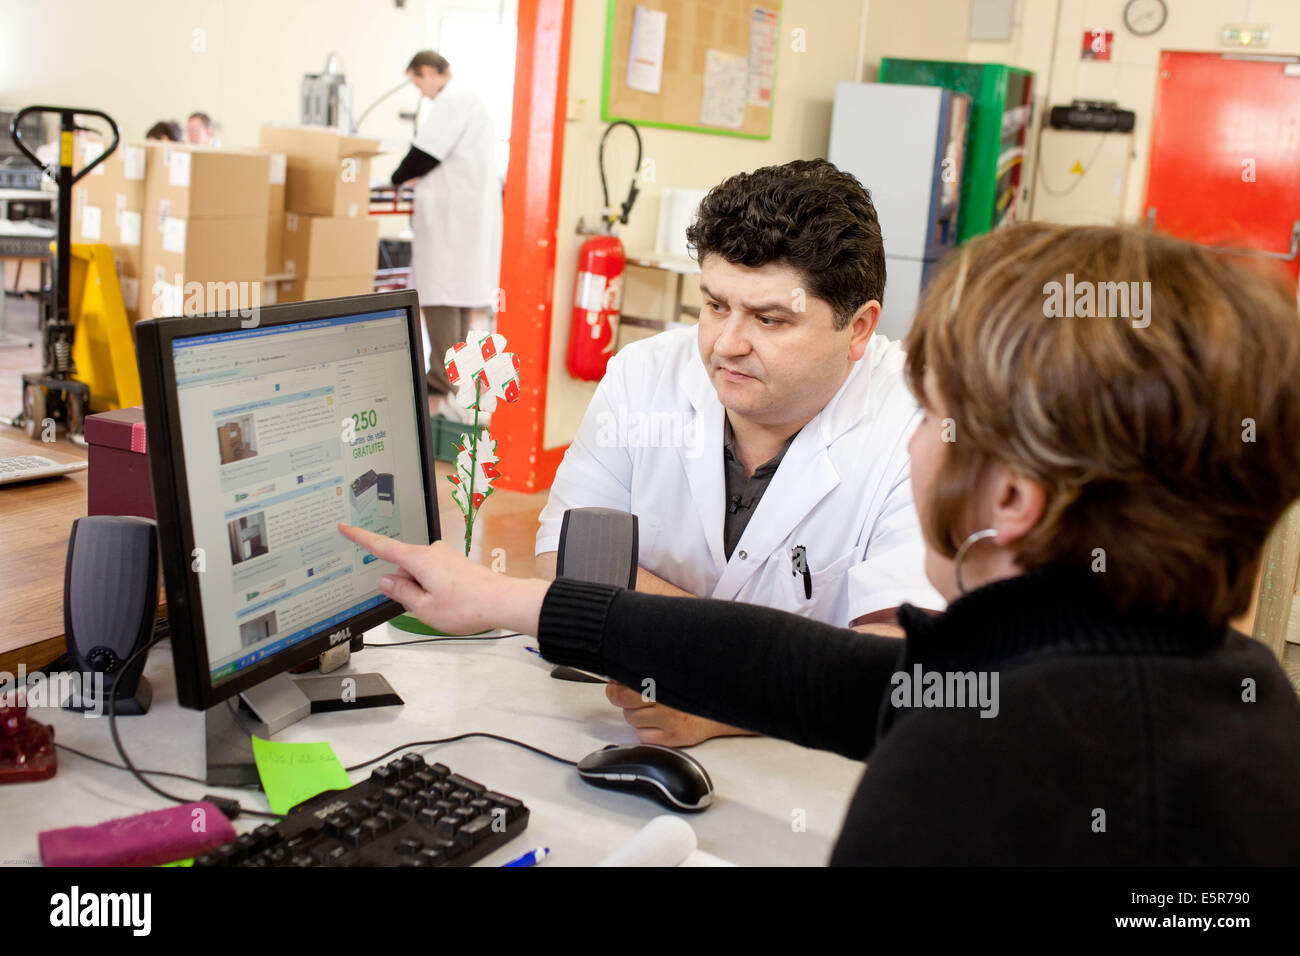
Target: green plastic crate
(446,437)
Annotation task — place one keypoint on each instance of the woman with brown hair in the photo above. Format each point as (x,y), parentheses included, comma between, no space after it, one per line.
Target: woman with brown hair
(1112,428)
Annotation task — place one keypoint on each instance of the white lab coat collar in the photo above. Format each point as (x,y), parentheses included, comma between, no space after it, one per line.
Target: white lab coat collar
(703,464)
(806,474)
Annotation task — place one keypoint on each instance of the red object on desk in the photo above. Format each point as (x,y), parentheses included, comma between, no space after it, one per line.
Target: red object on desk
(26,746)
(118,482)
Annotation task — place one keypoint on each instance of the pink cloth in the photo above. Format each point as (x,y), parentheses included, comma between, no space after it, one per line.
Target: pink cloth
(147,839)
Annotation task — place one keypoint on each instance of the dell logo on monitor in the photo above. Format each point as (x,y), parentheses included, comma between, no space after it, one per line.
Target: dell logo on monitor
(339,636)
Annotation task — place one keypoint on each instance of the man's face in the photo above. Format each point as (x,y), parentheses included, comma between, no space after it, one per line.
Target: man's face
(427,80)
(771,349)
(926,450)
(197,132)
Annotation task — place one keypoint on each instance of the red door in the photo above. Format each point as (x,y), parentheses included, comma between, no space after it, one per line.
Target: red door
(1225,152)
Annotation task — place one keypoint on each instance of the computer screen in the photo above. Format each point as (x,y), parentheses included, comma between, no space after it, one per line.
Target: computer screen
(276,434)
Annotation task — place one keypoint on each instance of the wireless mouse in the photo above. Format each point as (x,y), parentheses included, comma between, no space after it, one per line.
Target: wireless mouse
(675,779)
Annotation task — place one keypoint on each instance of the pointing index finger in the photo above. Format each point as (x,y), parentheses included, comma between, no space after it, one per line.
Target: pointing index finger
(381,546)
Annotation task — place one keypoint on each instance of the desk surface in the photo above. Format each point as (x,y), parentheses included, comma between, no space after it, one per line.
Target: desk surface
(35,521)
(763,786)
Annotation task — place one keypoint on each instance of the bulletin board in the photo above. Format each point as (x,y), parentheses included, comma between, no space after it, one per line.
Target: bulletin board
(716,72)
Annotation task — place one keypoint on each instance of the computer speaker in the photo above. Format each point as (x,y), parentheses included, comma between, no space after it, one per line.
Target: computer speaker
(598,545)
(110,597)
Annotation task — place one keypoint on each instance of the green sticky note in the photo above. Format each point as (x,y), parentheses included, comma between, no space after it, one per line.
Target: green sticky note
(292,773)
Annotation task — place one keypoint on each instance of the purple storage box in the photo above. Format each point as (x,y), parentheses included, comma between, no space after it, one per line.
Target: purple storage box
(118,482)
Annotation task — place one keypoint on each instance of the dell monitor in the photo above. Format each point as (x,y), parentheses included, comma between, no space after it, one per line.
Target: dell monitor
(263,436)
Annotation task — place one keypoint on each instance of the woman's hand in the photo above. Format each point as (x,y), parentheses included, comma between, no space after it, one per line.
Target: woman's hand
(656,724)
(448,591)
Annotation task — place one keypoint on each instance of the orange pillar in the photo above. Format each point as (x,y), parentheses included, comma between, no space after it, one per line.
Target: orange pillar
(531,210)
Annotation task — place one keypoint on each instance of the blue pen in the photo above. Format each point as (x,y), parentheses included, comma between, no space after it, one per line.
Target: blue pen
(531,858)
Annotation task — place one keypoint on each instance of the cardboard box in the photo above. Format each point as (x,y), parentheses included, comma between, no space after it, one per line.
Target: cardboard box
(120,229)
(206,248)
(108,202)
(275,244)
(122,233)
(117,182)
(130,287)
(213,252)
(279,169)
(326,246)
(328,173)
(275,217)
(200,182)
(311,288)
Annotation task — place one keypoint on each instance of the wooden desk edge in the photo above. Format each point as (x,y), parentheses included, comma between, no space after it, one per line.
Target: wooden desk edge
(33,657)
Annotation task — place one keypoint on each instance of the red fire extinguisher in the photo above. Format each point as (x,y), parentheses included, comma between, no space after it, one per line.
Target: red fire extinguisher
(598,288)
(597,298)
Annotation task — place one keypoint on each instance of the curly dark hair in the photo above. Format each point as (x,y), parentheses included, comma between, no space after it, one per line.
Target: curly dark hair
(806,214)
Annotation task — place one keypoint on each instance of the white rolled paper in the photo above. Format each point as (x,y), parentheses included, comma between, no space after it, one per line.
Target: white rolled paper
(664,841)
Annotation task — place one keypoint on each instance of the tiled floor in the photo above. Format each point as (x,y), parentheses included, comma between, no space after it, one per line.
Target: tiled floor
(508,520)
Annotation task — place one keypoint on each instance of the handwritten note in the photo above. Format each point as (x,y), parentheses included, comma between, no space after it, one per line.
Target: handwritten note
(292,773)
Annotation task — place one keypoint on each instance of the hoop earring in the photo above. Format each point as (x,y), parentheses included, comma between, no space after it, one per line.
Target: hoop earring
(966,546)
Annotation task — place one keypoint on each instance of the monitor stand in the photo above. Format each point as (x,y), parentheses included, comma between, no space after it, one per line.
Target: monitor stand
(267,708)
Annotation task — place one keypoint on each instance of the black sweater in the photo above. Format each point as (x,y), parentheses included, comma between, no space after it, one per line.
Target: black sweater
(414,164)
(1118,739)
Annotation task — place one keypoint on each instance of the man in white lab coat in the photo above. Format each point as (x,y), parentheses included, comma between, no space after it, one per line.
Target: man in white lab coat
(456,220)
(765,452)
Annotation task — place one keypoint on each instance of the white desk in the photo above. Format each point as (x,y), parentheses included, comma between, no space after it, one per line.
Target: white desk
(451,688)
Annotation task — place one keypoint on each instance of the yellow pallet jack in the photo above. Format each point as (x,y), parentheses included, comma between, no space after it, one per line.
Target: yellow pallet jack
(89,353)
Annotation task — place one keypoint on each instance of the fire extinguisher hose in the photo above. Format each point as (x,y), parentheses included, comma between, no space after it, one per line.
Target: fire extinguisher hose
(609,217)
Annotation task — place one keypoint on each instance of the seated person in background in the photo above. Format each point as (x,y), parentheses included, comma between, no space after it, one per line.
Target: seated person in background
(763,452)
(1096,524)
(199,129)
(166,130)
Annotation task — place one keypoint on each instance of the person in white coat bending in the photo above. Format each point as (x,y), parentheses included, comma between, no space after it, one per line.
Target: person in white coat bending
(456,220)
(764,452)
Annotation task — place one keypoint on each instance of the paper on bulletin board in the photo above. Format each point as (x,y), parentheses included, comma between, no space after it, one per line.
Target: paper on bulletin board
(762,56)
(645,58)
(726,81)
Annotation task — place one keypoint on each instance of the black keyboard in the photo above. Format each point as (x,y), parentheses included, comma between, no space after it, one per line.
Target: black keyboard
(409,813)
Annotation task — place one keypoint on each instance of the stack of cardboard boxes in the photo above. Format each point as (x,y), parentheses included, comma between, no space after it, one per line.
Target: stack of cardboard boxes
(205,230)
(195,229)
(108,207)
(330,242)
